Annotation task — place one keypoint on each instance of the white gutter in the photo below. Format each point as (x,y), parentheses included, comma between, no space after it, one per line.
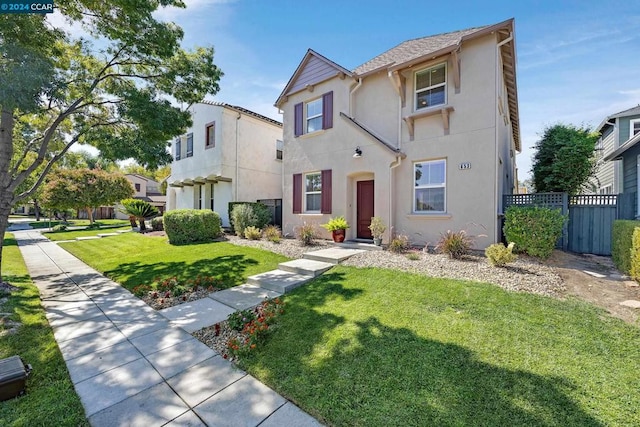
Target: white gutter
(351,93)
(397,162)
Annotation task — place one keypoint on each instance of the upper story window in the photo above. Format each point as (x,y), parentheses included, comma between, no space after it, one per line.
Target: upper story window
(137,187)
(634,127)
(279,145)
(210,135)
(178,148)
(431,87)
(189,145)
(430,185)
(313,115)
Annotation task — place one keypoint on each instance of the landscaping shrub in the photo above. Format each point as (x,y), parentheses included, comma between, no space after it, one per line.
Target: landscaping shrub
(252,233)
(157,224)
(456,244)
(242,217)
(634,271)
(260,210)
(59,227)
(191,225)
(238,319)
(621,244)
(500,255)
(399,244)
(413,256)
(534,230)
(272,233)
(306,233)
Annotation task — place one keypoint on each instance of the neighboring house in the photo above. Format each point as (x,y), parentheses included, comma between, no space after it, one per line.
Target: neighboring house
(615,131)
(423,136)
(229,154)
(626,125)
(145,189)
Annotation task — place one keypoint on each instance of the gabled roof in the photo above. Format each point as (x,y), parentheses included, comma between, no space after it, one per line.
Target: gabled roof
(243,111)
(617,153)
(633,111)
(305,60)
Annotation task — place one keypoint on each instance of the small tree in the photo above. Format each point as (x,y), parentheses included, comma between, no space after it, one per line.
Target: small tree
(139,209)
(564,159)
(85,189)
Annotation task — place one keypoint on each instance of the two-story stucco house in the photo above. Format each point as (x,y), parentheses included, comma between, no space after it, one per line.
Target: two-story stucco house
(423,136)
(229,154)
(615,131)
(144,189)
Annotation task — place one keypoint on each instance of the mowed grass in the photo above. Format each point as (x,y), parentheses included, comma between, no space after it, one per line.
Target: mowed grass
(45,223)
(132,259)
(58,236)
(50,398)
(375,347)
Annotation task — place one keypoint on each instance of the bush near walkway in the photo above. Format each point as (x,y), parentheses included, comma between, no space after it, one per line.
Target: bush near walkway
(534,229)
(185,226)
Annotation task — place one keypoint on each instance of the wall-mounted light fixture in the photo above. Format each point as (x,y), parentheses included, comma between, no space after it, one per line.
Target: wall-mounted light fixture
(358,153)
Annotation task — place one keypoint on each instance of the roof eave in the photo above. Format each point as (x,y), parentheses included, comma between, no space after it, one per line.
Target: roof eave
(617,153)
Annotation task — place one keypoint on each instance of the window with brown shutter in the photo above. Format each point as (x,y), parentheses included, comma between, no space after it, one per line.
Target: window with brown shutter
(325,206)
(298,119)
(327,110)
(297,193)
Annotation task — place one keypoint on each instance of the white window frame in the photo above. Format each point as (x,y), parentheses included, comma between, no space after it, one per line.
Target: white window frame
(200,196)
(632,123)
(211,197)
(279,149)
(305,193)
(438,185)
(607,189)
(178,149)
(416,90)
(307,117)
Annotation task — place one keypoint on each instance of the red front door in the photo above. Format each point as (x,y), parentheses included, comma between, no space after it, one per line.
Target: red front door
(365,208)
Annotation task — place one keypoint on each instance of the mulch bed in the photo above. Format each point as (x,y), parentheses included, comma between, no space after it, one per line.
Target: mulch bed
(159,301)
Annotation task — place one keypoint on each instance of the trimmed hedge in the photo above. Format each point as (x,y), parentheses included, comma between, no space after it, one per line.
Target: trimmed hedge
(534,230)
(622,244)
(185,226)
(635,255)
(261,211)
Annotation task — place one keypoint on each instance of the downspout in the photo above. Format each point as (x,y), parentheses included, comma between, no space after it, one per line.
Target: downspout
(351,93)
(237,163)
(397,162)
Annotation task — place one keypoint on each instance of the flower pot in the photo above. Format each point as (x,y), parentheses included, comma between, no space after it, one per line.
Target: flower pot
(377,241)
(338,235)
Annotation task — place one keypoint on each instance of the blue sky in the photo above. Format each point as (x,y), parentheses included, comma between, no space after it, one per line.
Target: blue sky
(578,61)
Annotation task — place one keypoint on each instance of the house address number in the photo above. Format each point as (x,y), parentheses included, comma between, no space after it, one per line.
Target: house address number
(465,165)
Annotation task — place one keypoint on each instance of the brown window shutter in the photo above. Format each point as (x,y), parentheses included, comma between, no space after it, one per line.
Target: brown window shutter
(325,204)
(297,193)
(327,110)
(298,119)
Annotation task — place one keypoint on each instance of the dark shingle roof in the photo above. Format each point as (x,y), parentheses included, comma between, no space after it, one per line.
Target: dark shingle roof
(413,49)
(245,111)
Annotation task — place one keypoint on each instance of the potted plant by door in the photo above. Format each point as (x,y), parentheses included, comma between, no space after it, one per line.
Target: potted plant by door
(337,226)
(377,228)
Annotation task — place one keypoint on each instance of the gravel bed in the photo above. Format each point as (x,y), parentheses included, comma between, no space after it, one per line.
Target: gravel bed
(158,300)
(526,274)
(217,336)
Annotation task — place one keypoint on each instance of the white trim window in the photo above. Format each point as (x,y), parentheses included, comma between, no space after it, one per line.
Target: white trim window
(634,127)
(211,194)
(200,196)
(314,115)
(607,189)
(279,148)
(431,87)
(312,192)
(429,186)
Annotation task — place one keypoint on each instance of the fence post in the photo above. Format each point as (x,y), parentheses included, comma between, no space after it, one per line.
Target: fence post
(565,227)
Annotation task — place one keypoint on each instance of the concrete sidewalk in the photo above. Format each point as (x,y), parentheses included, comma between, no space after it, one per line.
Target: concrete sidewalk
(134,367)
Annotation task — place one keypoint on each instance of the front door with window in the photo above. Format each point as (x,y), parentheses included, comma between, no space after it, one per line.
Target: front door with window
(365,208)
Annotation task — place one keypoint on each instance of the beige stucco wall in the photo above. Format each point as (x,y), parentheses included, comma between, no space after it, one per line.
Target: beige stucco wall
(473,136)
(256,174)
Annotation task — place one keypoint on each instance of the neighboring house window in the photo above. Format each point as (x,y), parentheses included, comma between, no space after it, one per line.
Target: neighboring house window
(279,145)
(211,198)
(199,196)
(634,127)
(312,192)
(430,186)
(607,189)
(210,135)
(178,148)
(314,115)
(137,187)
(431,86)
(190,145)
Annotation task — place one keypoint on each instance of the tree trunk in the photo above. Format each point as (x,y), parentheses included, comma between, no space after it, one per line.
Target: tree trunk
(6,153)
(90,215)
(5,210)
(37,209)
(143,226)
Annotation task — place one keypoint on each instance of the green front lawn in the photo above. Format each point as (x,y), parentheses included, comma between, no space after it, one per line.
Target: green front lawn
(374,347)
(132,259)
(107,223)
(58,236)
(50,398)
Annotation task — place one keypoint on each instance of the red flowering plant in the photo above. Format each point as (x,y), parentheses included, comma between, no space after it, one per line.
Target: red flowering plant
(256,327)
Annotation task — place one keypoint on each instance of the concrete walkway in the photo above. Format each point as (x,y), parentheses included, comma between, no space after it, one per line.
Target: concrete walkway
(133,366)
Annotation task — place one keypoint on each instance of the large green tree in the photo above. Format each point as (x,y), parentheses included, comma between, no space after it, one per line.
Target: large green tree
(119,94)
(85,189)
(564,159)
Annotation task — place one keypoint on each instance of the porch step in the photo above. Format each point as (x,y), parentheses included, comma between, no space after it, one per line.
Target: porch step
(279,280)
(305,267)
(332,255)
(355,244)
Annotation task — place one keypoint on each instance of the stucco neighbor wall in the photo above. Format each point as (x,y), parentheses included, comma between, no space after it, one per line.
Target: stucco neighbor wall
(244,157)
(478,135)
